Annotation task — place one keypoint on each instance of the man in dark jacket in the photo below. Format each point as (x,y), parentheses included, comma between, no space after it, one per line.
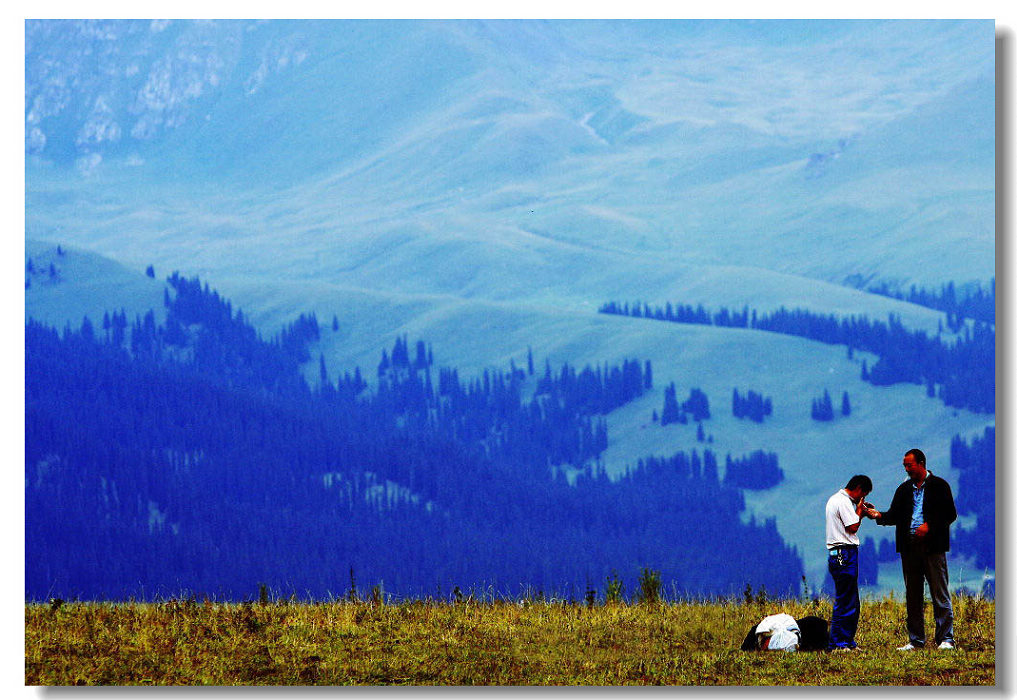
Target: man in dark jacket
(922,510)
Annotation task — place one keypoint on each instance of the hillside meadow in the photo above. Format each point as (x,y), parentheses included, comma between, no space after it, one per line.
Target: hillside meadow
(470,642)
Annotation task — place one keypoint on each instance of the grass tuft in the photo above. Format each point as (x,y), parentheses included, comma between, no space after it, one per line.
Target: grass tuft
(477,642)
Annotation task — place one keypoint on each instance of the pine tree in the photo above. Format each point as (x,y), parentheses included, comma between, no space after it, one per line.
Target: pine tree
(671,413)
(822,409)
(322,370)
(697,404)
(845,405)
(87,331)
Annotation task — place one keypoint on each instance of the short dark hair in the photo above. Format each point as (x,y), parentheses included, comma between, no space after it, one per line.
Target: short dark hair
(859,480)
(917,454)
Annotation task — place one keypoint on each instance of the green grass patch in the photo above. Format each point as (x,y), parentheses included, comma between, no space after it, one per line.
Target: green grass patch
(479,643)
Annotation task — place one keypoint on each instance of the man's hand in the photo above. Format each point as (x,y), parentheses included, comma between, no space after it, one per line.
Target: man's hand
(872,512)
(922,530)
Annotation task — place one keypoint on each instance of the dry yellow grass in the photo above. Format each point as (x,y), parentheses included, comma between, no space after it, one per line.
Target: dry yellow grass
(467,643)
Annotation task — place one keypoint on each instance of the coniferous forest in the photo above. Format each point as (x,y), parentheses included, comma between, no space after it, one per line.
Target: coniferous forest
(961,372)
(192,457)
(958,371)
(976,494)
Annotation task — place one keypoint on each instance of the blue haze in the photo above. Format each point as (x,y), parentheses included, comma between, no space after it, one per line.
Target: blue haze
(487,185)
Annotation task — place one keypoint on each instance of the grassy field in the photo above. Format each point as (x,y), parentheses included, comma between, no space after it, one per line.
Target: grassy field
(473,643)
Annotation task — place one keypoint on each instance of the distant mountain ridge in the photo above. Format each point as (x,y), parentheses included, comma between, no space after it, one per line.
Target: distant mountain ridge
(631,136)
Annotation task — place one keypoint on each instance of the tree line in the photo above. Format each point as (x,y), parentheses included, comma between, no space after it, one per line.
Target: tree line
(960,372)
(193,456)
(977,304)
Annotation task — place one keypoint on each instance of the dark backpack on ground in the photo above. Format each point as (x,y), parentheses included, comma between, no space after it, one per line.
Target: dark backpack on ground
(815,633)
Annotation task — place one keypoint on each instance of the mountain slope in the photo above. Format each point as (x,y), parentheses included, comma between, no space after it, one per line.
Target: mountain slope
(488,185)
(666,145)
(474,335)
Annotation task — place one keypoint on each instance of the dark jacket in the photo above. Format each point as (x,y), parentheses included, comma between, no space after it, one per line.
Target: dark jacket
(937,509)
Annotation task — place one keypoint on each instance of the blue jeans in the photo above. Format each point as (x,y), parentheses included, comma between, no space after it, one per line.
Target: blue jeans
(843,565)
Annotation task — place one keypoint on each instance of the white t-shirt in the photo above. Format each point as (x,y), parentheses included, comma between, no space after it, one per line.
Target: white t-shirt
(840,513)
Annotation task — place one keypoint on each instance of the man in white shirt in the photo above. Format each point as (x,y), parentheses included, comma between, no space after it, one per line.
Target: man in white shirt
(844,511)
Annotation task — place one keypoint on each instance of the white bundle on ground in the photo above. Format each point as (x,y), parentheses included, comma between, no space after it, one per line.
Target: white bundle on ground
(778,633)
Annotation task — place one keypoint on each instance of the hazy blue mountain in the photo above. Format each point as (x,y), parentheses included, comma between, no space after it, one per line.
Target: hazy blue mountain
(487,185)
(753,143)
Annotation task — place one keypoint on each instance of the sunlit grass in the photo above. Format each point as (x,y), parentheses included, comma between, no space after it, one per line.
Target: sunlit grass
(470,642)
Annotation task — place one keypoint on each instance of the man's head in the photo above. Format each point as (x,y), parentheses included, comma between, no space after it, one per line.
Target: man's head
(859,486)
(914,465)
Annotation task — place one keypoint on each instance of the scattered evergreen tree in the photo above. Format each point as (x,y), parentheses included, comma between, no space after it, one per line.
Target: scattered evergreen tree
(887,551)
(87,330)
(322,371)
(868,563)
(697,405)
(753,406)
(822,409)
(421,359)
(672,412)
(758,470)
